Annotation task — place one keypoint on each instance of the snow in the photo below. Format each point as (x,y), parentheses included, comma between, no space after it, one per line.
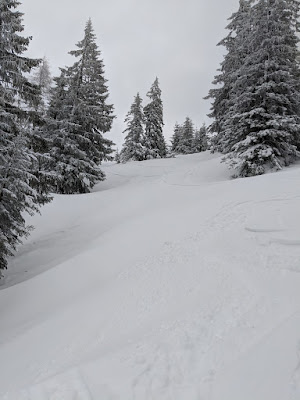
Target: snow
(170,281)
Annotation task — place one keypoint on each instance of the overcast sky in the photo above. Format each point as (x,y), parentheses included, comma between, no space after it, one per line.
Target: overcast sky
(174,40)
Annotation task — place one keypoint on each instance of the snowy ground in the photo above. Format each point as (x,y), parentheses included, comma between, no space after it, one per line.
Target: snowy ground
(169,282)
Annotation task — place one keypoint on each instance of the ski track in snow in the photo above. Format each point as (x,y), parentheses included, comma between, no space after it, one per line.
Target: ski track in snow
(165,369)
(193,310)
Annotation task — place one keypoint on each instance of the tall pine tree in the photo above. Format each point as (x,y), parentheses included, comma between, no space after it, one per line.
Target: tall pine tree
(200,142)
(186,139)
(154,140)
(175,140)
(256,110)
(80,117)
(223,96)
(42,164)
(42,78)
(18,99)
(263,127)
(133,148)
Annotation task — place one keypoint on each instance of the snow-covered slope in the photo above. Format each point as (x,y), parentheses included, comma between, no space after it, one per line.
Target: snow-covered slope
(169,282)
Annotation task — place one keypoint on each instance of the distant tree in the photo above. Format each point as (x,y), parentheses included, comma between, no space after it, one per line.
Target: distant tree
(154,140)
(133,148)
(41,77)
(80,116)
(175,140)
(200,140)
(117,157)
(18,99)
(186,139)
(40,143)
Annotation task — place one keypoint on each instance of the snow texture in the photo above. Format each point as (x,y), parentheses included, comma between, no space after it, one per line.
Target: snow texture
(170,281)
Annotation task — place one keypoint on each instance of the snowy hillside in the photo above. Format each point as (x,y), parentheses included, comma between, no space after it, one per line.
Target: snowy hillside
(169,282)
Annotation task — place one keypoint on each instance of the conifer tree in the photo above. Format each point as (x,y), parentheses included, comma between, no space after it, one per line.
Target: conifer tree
(176,137)
(186,139)
(42,78)
(18,98)
(224,95)
(200,140)
(74,171)
(256,110)
(66,159)
(41,163)
(262,127)
(80,116)
(133,148)
(154,140)
(40,143)
(117,157)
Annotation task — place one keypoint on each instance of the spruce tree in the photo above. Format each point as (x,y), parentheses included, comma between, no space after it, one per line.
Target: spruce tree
(200,142)
(117,157)
(18,99)
(262,127)
(175,140)
(186,139)
(40,143)
(80,117)
(154,140)
(74,172)
(224,95)
(133,148)
(42,78)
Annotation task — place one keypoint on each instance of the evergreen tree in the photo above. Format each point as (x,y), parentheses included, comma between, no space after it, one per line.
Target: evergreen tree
(154,140)
(42,78)
(74,171)
(186,139)
(18,98)
(224,95)
(200,140)
(175,140)
(133,148)
(117,157)
(294,8)
(262,125)
(42,165)
(80,116)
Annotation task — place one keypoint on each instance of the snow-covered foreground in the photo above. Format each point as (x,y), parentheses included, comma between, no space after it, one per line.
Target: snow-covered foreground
(169,282)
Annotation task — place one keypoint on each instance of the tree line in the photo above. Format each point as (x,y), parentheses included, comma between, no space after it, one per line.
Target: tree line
(187,140)
(144,132)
